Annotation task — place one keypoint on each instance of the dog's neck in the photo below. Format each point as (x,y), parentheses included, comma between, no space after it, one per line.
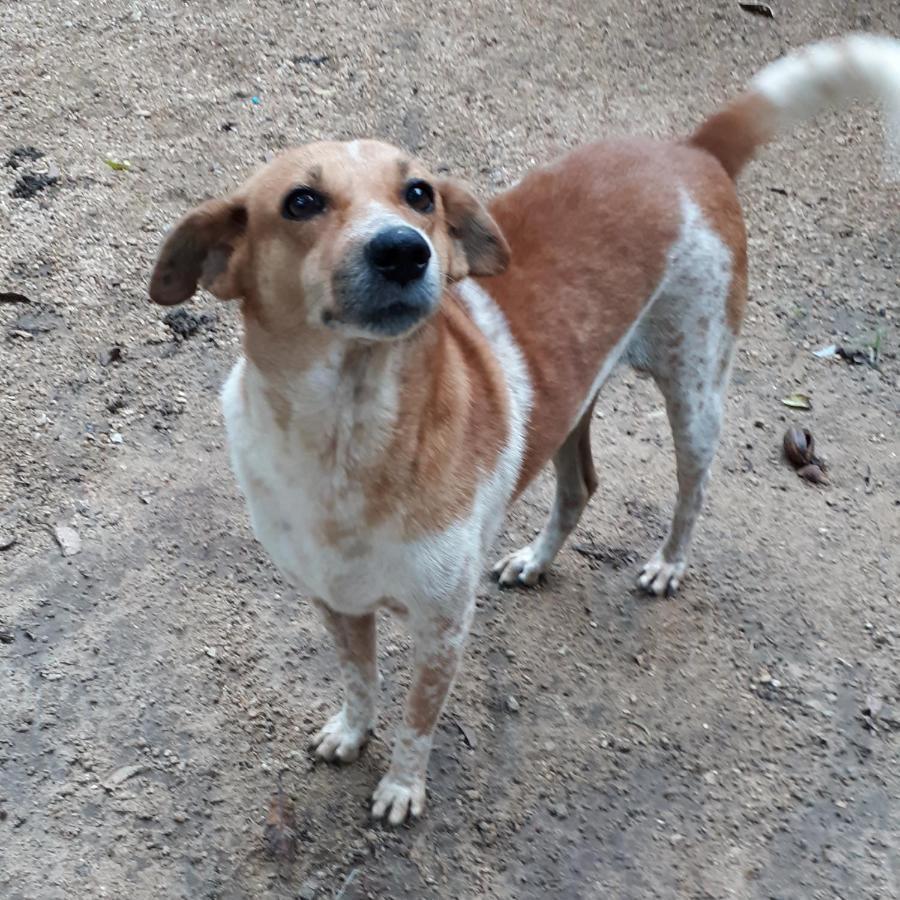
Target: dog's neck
(340,397)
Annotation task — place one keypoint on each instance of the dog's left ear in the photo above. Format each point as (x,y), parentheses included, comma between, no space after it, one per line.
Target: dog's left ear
(479,247)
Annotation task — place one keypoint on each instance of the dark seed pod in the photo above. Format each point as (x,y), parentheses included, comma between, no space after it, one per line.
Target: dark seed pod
(813,473)
(799,446)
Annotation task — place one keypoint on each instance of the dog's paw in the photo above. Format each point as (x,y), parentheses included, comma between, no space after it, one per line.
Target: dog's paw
(660,577)
(338,740)
(522,567)
(396,798)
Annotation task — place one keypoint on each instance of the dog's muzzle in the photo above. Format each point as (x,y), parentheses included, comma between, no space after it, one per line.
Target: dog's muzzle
(391,284)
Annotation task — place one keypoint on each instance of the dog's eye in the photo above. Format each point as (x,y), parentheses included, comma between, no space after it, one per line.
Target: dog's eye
(303,203)
(420,196)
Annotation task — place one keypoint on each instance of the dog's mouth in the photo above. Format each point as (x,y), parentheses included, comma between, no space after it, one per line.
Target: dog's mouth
(368,306)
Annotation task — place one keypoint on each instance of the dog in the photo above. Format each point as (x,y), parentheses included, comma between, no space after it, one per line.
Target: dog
(413,357)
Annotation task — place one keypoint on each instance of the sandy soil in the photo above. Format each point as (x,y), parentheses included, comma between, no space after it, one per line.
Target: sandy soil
(742,741)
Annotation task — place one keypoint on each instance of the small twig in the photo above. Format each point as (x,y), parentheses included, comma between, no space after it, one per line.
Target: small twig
(347,882)
(638,724)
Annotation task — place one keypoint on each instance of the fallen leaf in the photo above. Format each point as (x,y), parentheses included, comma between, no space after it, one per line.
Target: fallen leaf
(797,401)
(865,356)
(758,9)
(280,832)
(118,165)
(122,774)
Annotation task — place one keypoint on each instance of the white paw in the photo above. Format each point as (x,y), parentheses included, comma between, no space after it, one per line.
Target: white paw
(395,798)
(338,741)
(522,567)
(660,577)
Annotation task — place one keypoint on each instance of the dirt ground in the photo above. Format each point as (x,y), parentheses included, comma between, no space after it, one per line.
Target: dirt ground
(740,741)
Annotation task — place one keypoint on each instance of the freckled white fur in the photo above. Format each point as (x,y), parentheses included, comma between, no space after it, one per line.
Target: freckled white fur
(692,380)
(290,492)
(690,302)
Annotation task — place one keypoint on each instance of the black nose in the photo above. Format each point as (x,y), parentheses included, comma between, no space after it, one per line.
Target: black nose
(400,254)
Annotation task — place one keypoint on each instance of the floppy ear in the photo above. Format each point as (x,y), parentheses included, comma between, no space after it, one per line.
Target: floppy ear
(479,247)
(204,247)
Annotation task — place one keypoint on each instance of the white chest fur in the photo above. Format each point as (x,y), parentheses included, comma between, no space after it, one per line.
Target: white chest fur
(293,488)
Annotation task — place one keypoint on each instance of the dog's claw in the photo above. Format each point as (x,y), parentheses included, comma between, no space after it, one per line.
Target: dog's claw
(338,741)
(395,799)
(523,567)
(661,578)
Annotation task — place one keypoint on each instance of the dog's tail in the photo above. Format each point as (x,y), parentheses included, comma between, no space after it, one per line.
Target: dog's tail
(797,87)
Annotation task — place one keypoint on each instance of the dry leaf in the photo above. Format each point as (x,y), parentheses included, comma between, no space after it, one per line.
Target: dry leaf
(797,401)
(122,774)
(281,828)
(758,9)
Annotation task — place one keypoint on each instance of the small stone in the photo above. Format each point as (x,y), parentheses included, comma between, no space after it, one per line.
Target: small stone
(6,635)
(121,775)
(7,539)
(116,438)
(110,355)
(512,704)
(68,540)
(560,810)
(309,889)
(211,652)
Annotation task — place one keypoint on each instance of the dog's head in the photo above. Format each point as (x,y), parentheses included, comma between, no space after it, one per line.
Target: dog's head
(357,238)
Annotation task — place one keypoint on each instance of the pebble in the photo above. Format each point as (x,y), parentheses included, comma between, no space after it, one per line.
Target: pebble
(309,889)
(68,540)
(512,704)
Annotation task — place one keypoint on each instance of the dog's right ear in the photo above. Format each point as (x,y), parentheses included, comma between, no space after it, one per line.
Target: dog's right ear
(205,247)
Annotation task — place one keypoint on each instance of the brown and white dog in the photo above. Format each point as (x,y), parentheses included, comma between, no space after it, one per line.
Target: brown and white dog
(412,358)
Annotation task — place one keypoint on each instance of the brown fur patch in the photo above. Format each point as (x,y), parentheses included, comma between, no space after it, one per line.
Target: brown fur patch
(450,429)
(734,134)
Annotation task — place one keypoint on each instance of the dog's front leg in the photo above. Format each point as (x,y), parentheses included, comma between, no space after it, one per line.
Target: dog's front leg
(345,732)
(439,644)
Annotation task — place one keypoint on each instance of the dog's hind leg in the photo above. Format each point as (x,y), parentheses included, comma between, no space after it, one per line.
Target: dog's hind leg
(686,342)
(576,481)
(694,401)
